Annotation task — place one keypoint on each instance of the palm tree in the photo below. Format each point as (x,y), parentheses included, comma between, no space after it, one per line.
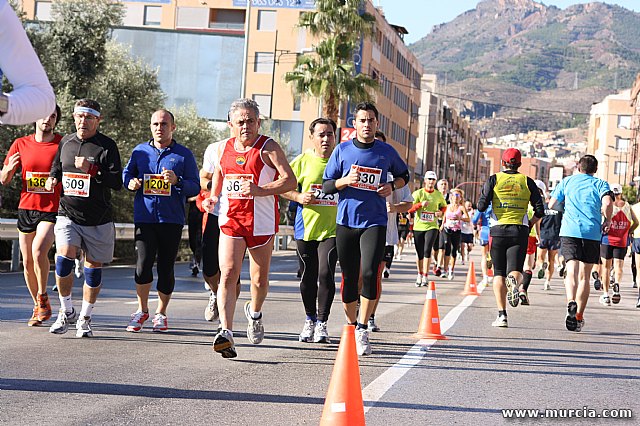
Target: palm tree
(330,73)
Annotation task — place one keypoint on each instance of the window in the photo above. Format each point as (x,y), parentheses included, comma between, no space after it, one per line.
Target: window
(43,10)
(264,102)
(267,20)
(297,100)
(263,63)
(620,168)
(624,122)
(152,15)
(225,19)
(622,145)
(192,17)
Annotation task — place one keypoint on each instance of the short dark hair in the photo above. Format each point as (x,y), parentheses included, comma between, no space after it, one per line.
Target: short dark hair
(58,114)
(366,106)
(380,136)
(173,119)
(89,103)
(588,164)
(322,120)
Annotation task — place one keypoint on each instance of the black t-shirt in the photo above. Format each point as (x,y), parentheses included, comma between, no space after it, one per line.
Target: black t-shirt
(550,223)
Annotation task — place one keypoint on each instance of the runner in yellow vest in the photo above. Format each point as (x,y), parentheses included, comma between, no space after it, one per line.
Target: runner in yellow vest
(510,193)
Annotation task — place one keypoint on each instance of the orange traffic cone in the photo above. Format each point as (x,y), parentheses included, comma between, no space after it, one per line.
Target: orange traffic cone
(430,322)
(470,288)
(344,405)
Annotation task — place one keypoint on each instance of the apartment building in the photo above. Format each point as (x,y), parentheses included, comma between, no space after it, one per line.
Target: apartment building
(609,137)
(274,41)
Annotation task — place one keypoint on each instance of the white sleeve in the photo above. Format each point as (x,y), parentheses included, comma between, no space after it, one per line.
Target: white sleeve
(211,154)
(32,97)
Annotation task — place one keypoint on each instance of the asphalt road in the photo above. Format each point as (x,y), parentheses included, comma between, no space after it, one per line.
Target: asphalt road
(176,378)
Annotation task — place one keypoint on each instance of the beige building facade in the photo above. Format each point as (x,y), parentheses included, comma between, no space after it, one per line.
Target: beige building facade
(609,138)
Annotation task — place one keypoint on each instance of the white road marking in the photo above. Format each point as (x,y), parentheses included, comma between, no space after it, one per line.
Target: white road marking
(136,302)
(376,389)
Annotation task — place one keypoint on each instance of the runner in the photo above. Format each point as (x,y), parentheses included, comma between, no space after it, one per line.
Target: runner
(163,175)
(466,238)
(635,248)
(315,231)
(252,170)
(481,220)
(438,246)
(37,209)
(549,241)
(403,232)
(585,199)
(358,170)
(88,165)
(615,244)
(510,192)
(454,215)
(530,258)
(429,205)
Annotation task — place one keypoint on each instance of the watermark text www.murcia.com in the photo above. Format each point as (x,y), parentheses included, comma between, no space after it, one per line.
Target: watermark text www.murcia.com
(563,413)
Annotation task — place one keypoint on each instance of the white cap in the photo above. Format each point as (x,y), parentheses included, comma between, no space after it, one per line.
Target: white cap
(541,186)
(616,188)
(430,175)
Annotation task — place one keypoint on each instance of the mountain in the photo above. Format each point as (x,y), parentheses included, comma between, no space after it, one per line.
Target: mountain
(524,54)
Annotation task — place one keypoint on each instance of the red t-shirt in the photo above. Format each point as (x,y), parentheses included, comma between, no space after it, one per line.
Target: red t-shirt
(35,162)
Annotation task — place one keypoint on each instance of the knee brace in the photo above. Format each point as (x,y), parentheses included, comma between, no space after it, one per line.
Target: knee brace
(93,277)
(64,266)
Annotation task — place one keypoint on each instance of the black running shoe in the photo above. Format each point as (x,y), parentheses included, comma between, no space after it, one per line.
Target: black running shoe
(513,294)
(524,298)
(597,284)
(615,298)
(223,344)
(563,270)
(571,322)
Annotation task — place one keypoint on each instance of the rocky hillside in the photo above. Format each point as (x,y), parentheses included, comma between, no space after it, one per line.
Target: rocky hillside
(524,54)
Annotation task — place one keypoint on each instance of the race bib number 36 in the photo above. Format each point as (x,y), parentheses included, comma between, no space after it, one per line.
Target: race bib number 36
(232,186)
(323,199)
(156,185)
(35,182)
(369,178)
(76,184)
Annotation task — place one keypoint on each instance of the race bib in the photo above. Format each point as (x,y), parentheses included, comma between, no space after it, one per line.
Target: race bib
(427,216)
(36,181)
(76,184)
(369,178)
(233,184)
(156,185)
(323,199)
(403,221)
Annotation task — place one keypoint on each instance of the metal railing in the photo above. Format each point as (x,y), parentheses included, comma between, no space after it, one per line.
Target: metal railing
(124,231)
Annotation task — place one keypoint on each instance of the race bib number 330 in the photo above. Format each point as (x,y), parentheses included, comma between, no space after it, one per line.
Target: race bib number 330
(36,181)
(323,199)
(368,178)
(76,184)
(232,186)
(156,185)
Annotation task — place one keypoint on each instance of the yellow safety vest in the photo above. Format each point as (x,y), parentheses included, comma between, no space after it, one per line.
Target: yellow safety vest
(511,199)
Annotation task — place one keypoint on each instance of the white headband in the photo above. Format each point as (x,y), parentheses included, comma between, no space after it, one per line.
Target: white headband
(87,110)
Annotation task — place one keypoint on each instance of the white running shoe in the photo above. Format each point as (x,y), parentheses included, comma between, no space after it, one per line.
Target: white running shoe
(211,311)
(307,331)
(255,329)
(320,334)
(83,327)
(425,282)
(160,323)
(224,345)
(419,279)
(605,300)
(363,346)
(547,285)
(450,275)
(501,321)
(61,325)
(371,324)
(513,294)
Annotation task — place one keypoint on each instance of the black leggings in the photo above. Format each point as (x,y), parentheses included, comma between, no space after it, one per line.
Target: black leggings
(195,231)
(358,246)
(508,253)
(160,240)
(210,239)
(451,242)
(424,242)
(319,267)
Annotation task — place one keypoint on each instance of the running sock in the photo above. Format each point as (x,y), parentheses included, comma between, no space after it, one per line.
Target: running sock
(66,303)
(579,317)
(87,309)
(361,326)
(526,279)
(255,315)
(314,318)
(503,313)
(372,317)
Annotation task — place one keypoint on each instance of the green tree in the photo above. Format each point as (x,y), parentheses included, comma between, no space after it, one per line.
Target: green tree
(329,72)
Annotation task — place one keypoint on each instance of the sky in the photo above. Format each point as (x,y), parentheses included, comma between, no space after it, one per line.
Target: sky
(419,16)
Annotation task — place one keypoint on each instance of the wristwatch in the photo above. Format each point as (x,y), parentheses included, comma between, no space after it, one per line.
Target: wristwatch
(393,185)
(4,104)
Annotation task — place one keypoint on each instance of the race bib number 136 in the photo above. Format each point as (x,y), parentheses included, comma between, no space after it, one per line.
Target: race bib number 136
(76,184)
(36,181)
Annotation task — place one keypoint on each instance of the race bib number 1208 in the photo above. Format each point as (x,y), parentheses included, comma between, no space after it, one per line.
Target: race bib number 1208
(76,184)
(156,185)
